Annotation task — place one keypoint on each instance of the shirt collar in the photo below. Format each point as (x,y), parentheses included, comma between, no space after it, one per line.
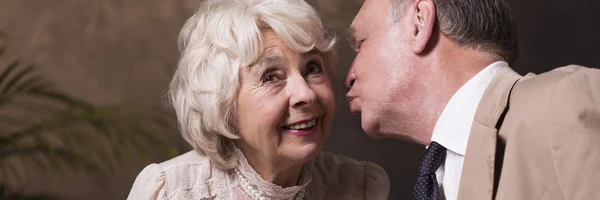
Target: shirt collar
(454,125)
(269,188)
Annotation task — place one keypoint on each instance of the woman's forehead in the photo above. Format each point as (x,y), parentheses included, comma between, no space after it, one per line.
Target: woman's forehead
(277,55)
(273,42)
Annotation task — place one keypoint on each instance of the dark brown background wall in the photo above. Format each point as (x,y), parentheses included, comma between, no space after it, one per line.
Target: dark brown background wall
(115,51)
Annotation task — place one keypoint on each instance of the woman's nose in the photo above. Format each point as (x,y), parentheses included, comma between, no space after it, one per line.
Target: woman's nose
(302,94)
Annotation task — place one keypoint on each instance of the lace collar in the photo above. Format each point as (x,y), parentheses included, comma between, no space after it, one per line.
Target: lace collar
(269,188)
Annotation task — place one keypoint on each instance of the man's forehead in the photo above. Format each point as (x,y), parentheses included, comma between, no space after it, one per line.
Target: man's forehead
(370,15)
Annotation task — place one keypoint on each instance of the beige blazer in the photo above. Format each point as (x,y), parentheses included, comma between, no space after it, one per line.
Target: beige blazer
(536,137)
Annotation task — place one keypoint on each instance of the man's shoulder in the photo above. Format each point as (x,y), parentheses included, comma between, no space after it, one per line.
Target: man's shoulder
(555,76)
(563,94)
(569,93)
(574,79)
(548,133)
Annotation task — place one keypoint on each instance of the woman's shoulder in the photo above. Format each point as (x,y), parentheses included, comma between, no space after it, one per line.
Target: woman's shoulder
(184,173)
(190,158)
(185,168)
(346,167)
(344,176)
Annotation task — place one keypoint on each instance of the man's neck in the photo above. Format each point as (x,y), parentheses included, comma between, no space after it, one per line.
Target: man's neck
(452,67)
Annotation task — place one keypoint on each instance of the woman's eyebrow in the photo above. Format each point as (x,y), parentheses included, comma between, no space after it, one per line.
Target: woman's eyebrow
(313,52)
(263,62)
(272,59)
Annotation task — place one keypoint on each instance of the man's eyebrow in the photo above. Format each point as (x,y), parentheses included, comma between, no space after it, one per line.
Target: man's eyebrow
(351,36)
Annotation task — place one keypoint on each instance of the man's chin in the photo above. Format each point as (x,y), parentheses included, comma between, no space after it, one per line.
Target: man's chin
(374,135)
(371,130)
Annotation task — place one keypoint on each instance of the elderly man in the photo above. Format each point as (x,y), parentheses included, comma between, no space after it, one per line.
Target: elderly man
(443,77)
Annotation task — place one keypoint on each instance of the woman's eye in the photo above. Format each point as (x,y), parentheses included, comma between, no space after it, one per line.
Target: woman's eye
(269,78)
(313,68)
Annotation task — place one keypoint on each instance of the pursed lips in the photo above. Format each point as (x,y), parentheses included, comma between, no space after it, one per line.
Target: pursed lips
(353,108)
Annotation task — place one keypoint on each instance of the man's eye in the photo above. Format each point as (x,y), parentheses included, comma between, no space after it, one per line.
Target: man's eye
(357,45)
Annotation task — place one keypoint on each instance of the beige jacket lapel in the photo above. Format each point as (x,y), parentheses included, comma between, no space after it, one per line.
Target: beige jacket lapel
(477,180)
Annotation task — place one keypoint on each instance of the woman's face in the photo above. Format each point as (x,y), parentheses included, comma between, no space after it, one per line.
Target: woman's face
(285,105)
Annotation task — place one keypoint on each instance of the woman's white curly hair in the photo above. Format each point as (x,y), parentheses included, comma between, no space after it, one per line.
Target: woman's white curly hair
(219,39)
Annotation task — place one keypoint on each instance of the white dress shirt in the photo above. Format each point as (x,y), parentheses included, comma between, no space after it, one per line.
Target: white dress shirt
(454,125)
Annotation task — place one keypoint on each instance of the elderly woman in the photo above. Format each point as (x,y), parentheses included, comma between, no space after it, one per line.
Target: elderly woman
(253,96)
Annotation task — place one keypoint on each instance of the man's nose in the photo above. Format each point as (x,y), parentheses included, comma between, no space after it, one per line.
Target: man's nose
(350,79)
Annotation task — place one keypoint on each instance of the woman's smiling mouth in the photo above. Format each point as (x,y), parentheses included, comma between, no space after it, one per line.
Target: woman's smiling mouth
(302,128)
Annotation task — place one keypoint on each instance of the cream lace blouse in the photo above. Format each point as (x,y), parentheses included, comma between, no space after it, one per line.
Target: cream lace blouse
(191,176)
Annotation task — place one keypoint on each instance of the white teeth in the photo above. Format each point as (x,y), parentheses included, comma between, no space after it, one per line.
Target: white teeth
(305,125)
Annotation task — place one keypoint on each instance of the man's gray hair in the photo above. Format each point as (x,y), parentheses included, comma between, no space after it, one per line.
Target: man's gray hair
(486,25)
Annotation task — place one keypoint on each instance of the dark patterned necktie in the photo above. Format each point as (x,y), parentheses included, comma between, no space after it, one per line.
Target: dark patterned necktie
(427,187)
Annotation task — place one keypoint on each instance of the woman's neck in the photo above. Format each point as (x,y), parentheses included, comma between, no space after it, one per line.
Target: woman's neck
(284,177)
(273,170)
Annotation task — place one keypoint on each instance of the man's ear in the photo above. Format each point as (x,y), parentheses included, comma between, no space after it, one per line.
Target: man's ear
(422,21)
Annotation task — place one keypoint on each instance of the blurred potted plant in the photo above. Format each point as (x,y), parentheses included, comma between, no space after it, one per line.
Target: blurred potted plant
(43,129)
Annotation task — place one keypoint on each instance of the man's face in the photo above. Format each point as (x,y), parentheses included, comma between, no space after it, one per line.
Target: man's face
(382,84)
